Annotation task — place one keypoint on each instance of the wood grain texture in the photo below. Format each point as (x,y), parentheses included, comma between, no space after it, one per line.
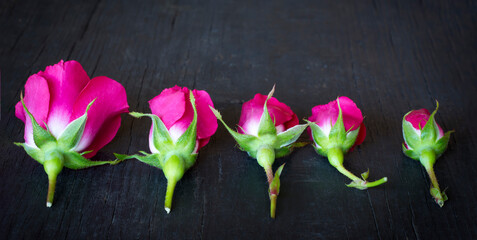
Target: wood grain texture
(389,56)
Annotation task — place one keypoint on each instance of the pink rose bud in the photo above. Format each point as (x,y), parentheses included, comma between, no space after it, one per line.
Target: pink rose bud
(336,128)
(425,141)
(182,123)
(268,129)
(69,117)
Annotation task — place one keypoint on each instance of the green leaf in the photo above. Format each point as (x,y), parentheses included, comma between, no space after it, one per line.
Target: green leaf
(410,153)
(188,141)
(266,125)
(338,132)
(160,135)
(40,135)
(365,175)
(74,131)
(358,184)
(412,138)
(274,187)
(290,135)
(149,159)
(74,160)
(246,142)
(34,153)
(441,145)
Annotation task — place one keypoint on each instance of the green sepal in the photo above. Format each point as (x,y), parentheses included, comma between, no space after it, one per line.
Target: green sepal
(441,145)
(284,151)
(321,151)
(160,135)
(149,159)
(247,143)
(188,140)
(274,187)
(266,125)
(412,138)
(350,139)
(190,160)
(319,137)
(85,152)
(74,160)
(74,131)
(40,135)
(34,153)
(430,131)
(338,132)
(290,135)
(410,153)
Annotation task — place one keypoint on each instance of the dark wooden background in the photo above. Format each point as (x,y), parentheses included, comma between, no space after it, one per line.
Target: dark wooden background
(389,56)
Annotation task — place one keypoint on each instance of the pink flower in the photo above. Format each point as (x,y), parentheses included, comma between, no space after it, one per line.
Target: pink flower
(425,141)
(175,110)
(325,117)
(61,93)
(268,129)
(418,119)
(336,130)
(252,111)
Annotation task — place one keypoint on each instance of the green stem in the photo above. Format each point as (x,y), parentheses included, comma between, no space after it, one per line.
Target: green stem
(171,185)
(273,205)
(427,159)
(173,169)
(377,182)
(335,157)
(51,191)
(53,165)
(269,173)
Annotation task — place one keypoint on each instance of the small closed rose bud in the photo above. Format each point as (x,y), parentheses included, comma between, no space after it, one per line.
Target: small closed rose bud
(69,117)
(425,141)
(336,128)
(267,130)
(182,123)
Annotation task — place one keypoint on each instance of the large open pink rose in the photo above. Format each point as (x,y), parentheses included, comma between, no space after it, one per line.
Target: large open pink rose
(61,93)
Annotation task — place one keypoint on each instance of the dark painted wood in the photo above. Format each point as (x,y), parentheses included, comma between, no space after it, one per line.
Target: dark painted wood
(389,56)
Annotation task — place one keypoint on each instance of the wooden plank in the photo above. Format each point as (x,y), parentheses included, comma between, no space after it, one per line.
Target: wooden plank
(388,56)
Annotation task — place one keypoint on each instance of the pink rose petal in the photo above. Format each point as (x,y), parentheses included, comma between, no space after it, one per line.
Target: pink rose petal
(104,115)
(65,81)
(169,105)
(418,119)
(252,111)
(37,98)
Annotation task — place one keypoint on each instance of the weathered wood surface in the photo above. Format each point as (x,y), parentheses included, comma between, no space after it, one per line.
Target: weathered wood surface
(390,57)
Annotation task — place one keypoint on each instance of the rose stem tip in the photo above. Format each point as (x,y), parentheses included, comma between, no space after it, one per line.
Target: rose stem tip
(51,191)
(171,185)
(273,205)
